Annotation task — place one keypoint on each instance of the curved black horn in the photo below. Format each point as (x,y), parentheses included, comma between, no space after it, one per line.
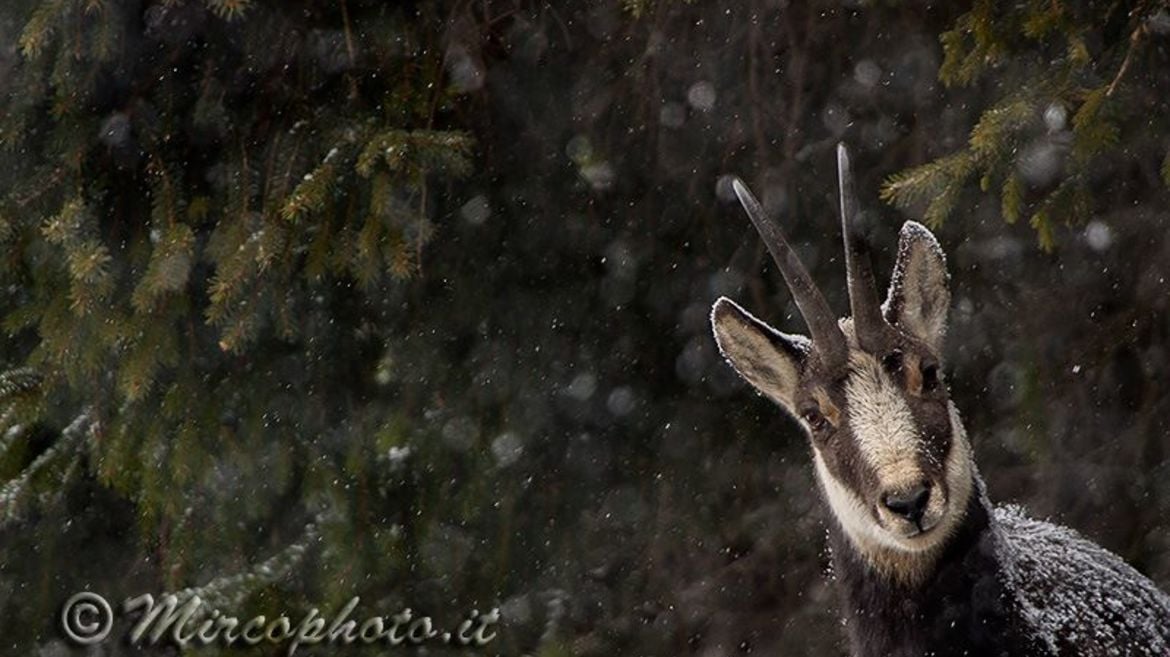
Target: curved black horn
(867,315)
(822,324)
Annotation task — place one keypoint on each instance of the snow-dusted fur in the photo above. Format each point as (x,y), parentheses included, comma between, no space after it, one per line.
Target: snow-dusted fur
(1005,585)
(1075,597)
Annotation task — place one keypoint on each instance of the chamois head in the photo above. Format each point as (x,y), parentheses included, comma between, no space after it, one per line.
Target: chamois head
(890,453)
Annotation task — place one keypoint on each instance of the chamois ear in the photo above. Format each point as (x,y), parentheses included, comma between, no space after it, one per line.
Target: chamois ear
(919,296)
(766,358)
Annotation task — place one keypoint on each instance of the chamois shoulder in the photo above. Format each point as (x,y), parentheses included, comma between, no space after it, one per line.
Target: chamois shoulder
(1076,597)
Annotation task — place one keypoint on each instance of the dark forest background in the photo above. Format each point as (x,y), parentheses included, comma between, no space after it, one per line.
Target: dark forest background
(314,299)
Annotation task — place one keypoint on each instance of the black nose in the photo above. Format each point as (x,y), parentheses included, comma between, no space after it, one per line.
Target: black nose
(909,503)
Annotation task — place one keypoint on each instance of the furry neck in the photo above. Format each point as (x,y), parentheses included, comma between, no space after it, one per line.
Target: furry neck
(889,615)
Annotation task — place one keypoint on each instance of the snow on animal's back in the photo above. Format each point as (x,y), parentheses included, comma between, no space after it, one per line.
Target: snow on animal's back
(1076,597)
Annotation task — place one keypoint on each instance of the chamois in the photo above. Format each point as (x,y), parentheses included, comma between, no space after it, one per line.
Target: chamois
(923,563)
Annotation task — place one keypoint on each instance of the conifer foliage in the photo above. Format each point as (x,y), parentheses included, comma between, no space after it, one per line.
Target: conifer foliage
(1080,71)
(193,193)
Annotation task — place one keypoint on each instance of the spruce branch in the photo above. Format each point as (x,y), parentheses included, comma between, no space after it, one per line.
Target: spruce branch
(228,592)
(168,269)
(314,190)
(936,184)
(38,31)
(229,9)
(1012,198)
(1093,126)
(19,494)
(17,382)
(994,135)
(1135,39)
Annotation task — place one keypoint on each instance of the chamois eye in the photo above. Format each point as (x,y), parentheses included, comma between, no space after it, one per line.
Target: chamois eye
(814,419)
(892,362)
(929,376)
